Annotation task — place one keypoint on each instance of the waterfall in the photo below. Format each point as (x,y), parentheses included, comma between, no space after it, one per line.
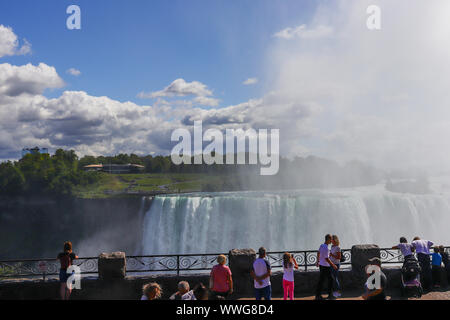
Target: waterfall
(293,220)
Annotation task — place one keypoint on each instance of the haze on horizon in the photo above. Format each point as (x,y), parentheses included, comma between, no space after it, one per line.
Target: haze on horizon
(334,88)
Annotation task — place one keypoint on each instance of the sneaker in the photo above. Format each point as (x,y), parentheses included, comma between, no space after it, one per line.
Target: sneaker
(331,297)
(336,294)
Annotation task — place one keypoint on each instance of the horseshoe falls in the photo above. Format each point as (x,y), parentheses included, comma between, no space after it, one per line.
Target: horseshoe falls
(291,220)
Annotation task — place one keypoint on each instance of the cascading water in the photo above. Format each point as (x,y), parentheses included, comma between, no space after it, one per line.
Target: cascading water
(291,220)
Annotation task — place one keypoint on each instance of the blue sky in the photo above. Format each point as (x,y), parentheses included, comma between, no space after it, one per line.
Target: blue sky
(126,47)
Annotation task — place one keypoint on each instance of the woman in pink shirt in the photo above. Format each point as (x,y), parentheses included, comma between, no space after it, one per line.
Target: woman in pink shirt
(220,282)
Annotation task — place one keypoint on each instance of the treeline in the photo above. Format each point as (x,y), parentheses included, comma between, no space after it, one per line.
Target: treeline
(39,174)
(309,172)
(60,173)
(164,164)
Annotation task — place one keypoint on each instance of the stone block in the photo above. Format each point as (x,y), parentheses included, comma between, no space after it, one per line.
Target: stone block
(112,266)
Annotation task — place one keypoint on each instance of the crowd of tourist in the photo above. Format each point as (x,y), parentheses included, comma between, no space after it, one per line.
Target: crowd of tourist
(329,260)
(431,263)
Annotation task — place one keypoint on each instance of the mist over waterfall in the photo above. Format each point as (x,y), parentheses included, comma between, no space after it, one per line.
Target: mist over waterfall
(291,220)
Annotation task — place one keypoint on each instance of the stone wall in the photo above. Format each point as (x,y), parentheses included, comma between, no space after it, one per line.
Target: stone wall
(130,287)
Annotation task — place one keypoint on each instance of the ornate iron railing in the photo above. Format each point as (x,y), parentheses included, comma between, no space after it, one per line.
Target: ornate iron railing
(306,260)
(44,267)
(172,263)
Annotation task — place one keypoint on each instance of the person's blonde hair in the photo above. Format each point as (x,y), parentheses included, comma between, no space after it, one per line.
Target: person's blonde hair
(222,259)
(149,287)
(336,239)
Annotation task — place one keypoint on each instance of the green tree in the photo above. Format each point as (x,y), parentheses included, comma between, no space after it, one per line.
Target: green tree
(12,181)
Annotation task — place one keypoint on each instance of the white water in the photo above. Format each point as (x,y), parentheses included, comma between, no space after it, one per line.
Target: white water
(291,220)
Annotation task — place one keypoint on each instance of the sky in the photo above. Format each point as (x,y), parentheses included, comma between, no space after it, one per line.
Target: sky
(138,70)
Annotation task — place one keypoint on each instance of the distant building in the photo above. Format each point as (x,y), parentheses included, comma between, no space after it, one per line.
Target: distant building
(115,168)
(35,150)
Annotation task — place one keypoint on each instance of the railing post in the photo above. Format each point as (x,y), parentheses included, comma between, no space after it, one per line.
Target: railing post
(306,260)
(178,265)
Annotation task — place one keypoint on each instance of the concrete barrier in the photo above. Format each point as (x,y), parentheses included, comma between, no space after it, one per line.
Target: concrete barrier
(240,263)
(360,259)
(112,266)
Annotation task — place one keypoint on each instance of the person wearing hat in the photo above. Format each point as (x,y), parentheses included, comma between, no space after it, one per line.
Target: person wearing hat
(375,286)
(261,273)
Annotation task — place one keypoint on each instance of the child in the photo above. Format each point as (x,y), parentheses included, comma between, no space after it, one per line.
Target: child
(65,258)
(436,261)
(289,264)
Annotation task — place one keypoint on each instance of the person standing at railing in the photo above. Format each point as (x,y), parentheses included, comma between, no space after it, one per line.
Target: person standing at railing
(405,248)
(261,273)
(289,264)
(221,281)
(325,264)
(436,267)
(446,262)
(422,248)
(335,257)
(65,259)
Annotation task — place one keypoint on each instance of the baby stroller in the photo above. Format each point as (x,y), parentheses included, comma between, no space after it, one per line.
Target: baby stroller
(411,286)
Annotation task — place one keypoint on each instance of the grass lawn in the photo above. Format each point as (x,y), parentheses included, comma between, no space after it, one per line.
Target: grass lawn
(114,184)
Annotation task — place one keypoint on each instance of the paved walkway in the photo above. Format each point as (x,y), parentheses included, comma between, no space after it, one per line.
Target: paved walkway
(442,294)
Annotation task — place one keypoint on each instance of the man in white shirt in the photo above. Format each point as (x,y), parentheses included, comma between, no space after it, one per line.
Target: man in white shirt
(422,248)
(325,264)
(261,275)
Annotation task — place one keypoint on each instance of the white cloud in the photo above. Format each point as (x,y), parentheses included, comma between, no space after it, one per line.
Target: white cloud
(206,101)
(302,32)
(180,88)
(201,95)
(100,125)
(250,81)
(9,43)
(27,79)
(74,72)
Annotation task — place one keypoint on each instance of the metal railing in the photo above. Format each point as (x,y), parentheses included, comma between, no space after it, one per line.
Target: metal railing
(176,264)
